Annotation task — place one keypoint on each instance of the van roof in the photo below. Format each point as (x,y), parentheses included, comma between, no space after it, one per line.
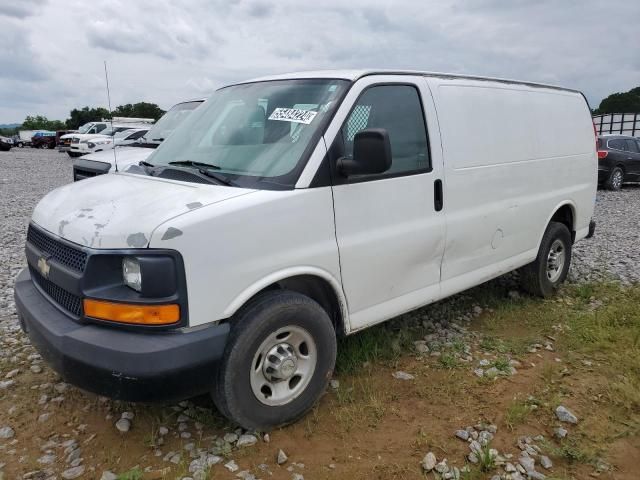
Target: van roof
(356,74)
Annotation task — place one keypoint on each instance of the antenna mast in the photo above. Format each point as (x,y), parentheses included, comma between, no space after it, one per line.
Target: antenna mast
(106,76)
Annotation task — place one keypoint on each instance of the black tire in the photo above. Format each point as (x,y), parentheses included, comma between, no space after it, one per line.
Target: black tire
(534,277)
(615,180)
(20,144)
(260,318)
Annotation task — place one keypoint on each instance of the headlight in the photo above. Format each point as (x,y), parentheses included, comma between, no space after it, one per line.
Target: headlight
(131,274)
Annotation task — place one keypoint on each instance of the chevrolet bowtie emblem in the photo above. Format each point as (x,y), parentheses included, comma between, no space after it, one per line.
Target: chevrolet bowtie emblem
(43,266)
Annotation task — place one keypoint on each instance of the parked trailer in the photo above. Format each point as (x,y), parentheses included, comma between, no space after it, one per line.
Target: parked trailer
(618,123)
(25,137)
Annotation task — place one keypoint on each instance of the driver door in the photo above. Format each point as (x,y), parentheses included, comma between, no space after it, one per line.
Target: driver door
(390,227)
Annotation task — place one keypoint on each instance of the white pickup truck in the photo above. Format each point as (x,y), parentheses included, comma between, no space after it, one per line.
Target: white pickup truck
(75,144)
(135,152)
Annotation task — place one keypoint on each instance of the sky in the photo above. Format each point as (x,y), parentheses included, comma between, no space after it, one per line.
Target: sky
(165,51)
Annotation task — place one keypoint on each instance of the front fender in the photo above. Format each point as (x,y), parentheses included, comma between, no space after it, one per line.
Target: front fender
(283,274)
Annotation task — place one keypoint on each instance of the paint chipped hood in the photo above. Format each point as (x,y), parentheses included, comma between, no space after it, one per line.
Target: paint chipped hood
(122,210)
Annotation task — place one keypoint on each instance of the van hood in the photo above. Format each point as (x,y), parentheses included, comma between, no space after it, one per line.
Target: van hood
(122,210)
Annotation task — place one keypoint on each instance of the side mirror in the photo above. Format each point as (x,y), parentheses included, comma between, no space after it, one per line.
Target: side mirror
(371,153)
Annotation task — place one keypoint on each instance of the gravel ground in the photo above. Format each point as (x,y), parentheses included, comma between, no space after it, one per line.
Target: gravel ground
(27,174)
(71,425)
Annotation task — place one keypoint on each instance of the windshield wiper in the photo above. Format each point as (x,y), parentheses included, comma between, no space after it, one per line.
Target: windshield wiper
(142,163)
(206,170)
(191,163)
(158,139)
(217,177)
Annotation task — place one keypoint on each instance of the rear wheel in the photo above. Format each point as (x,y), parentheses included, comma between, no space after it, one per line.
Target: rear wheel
(278,361)
(615,180)
(543,276)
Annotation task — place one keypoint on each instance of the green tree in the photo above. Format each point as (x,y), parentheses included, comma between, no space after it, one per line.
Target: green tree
(40,122)
(139,110)
(622,102)
(78,117)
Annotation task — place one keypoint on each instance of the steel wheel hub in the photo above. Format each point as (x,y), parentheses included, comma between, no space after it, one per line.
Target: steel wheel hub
(555,261)
(283,366)
(281,363)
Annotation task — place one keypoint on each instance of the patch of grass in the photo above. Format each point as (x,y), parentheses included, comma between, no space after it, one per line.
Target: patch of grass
(513,346)
(209,417)
(517,413)
(133,474)
(571,451)
(502,364)
(486,461)
(473,473)
(448,360)
(364,405)
(374,345)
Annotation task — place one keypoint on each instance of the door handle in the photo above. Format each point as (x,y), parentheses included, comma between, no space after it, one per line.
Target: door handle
(438,201)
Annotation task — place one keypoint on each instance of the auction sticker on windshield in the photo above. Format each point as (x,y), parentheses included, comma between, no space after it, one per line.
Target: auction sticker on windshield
(293,115)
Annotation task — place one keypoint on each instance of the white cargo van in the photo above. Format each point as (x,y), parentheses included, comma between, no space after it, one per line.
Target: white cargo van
(293,209)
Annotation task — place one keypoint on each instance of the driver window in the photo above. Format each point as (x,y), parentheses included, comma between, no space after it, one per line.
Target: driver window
(397,109)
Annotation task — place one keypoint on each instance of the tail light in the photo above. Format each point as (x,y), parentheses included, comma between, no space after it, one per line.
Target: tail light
(602,154)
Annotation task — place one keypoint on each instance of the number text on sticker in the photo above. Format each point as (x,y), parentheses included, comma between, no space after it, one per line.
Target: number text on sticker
(293,115)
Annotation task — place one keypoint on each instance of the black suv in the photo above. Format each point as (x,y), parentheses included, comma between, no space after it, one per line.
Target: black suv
(618,160)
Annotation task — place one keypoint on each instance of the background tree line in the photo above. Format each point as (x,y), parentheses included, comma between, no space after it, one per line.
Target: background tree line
(624,102)
(621,102)
(78,117)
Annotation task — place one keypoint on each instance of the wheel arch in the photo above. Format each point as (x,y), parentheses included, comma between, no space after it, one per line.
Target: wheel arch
(313,282)
(565,213)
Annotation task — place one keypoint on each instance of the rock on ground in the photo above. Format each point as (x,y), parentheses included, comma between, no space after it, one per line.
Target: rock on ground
(565,415)
(429,462)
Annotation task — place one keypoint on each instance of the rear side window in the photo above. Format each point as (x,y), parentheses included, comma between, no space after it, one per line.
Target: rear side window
(616,144)
(632,146)
(397,109)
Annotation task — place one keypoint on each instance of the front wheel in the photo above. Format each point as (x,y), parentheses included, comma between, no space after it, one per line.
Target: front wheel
(543,276)
(278,361)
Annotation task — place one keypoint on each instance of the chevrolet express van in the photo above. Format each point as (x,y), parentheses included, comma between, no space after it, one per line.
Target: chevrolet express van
(293,209)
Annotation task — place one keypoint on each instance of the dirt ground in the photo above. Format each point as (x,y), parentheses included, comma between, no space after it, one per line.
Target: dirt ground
(372,426)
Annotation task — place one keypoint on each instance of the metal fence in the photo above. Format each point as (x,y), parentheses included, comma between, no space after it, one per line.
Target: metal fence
(618,123)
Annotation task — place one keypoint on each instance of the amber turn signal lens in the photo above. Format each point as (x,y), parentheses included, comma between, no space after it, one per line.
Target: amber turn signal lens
(132,313)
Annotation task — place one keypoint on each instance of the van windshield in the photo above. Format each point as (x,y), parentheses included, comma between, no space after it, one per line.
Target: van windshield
(170,121)
(85,128)
(256,134)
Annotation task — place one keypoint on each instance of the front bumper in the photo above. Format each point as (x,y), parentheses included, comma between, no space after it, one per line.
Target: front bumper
(80,148)
(122,364)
